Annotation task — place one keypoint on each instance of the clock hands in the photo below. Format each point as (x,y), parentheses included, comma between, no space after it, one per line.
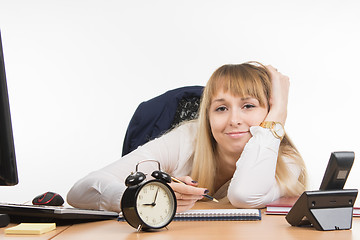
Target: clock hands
(154,202)
(149,204)
(157,191)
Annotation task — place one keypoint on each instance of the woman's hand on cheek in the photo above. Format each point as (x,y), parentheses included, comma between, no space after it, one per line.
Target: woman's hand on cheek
(279,96)
(187,194)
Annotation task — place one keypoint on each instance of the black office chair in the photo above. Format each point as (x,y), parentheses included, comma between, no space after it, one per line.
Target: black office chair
(160,114)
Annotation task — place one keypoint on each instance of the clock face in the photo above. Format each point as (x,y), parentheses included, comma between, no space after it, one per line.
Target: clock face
(155,204)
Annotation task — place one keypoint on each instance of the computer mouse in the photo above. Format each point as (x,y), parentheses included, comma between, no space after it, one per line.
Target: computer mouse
(48,198)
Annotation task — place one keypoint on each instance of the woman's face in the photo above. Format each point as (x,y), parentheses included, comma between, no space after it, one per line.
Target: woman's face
(230,121)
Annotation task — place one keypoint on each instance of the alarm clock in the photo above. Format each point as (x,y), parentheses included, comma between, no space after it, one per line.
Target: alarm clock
(147,205)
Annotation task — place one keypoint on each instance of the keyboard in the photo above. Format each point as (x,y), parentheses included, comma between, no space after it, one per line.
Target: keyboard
(57,214)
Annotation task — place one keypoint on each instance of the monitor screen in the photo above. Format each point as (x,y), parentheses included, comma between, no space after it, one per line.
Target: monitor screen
(8,169)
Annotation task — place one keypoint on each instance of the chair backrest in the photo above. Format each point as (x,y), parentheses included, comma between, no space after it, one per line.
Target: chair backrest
(156,116)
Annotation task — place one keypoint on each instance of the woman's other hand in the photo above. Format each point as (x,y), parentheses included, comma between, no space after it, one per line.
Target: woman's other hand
(187,193)
(279,96)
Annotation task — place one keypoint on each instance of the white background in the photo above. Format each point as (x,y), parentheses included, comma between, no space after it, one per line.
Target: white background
(77,69)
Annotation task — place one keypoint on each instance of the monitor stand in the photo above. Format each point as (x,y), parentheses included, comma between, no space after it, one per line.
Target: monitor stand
(4,220)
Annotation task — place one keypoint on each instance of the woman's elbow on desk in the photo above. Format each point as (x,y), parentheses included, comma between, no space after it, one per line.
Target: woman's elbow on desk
(243,201)
(251,199)
(90,193)
(83,195)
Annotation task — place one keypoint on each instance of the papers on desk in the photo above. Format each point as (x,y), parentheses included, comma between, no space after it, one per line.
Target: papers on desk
(215,215)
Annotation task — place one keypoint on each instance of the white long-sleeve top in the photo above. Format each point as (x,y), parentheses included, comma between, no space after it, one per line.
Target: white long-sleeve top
(253,184)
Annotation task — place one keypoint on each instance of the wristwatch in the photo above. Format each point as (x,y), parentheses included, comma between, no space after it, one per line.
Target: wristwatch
(276,128)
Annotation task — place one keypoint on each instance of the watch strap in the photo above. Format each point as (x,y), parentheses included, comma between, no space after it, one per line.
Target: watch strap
(267,124)
(270,125)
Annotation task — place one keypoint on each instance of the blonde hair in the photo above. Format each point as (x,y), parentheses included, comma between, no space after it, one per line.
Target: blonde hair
(247,79)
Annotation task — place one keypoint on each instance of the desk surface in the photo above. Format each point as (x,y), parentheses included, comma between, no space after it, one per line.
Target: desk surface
(270,227)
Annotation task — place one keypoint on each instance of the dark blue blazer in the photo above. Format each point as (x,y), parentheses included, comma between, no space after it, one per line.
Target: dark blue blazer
(155,116)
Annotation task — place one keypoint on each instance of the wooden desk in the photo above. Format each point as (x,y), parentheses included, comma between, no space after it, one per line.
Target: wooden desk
(270,227)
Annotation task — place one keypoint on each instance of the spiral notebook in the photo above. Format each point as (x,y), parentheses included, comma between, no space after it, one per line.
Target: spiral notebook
(219,215)
(215,215)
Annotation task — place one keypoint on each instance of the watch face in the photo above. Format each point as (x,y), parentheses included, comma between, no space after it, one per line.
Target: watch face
(155,204)
(279,130)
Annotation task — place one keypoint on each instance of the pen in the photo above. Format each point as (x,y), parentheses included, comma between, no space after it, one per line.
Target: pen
(205,195)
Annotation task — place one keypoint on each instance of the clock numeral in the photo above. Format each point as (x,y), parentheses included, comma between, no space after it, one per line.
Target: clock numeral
(141,197)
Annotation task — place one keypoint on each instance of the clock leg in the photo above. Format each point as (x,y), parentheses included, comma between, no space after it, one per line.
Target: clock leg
(139,228)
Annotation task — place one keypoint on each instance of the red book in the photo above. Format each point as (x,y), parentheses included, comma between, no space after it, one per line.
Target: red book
(283,205)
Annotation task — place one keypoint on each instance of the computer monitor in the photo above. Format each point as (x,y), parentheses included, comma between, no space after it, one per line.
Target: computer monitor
(8,168)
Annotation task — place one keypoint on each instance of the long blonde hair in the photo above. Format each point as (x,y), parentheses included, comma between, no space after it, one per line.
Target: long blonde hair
(247,79)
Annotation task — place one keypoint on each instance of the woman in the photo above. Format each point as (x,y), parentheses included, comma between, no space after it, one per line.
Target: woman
(236,149)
